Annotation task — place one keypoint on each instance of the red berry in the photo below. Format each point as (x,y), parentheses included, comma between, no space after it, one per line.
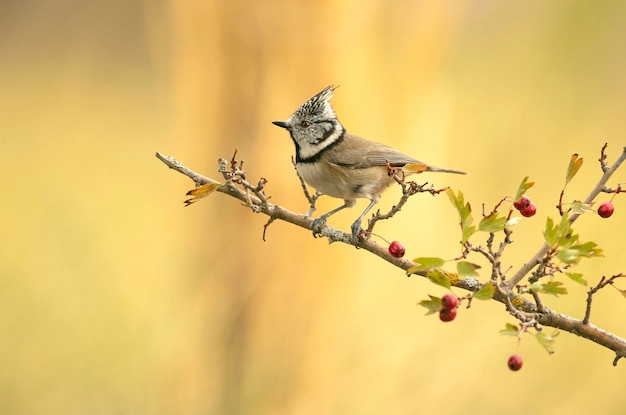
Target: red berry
(606,209)
(449,301)
(522,203)
(529,210)
(515,362)
(396,249)
(447,314)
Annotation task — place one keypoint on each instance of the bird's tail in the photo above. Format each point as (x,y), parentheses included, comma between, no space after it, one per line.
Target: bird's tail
(444,170)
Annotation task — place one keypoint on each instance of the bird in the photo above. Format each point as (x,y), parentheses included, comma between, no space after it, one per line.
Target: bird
(340,164)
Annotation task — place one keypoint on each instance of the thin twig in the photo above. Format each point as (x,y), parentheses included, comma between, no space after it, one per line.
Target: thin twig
(311,198)
(408,189)
(603,283)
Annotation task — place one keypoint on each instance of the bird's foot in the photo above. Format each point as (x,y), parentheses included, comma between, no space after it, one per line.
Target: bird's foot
(317,225)
(356,231)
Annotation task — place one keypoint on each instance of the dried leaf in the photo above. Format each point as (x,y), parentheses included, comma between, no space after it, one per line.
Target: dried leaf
(573,167)
(201,192)
(414,168)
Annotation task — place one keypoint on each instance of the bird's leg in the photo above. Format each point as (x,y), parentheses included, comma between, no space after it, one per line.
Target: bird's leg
(318,223)
(312,200)
(356,226)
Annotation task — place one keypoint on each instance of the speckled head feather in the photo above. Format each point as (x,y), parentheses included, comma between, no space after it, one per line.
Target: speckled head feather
(318,107)
(314,126)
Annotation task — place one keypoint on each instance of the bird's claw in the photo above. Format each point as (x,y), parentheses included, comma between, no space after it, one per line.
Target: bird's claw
(317,225)
(356,231)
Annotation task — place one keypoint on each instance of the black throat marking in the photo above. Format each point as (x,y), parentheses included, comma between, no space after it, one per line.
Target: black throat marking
(315,157)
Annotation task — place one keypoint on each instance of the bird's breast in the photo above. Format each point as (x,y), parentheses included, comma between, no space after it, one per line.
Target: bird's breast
(345,183)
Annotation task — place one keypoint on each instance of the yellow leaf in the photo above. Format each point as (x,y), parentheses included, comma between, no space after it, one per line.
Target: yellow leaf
(414,168)
(573,167)
(201,191)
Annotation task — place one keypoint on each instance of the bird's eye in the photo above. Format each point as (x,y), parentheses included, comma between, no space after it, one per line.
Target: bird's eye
(304,124)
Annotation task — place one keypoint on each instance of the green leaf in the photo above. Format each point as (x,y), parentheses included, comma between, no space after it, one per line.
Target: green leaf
(588,249)
(510,330)
(425,263)
(512,222)
(551,287)
(467,269)
(573,167)
(550,234)
(492,223)
(523,188)
(547,340)
(432,305)
(565,232)
(438,277)
(486,292)
(467,232)
(569,256)
(577,277)
(465,214)
(579,207)
(559,234)
(575,253)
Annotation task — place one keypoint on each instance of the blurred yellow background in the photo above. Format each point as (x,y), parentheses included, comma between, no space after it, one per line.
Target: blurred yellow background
(116,299)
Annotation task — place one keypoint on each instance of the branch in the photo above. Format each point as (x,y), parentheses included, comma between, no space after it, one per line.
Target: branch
(276,212)
(520,307)
(600,186)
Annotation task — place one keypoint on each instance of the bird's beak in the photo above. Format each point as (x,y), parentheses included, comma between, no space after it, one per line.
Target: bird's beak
(281,124)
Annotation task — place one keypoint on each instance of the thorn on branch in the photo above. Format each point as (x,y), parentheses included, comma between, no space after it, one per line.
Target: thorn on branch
(233,160)
(267,224)
(560,205)
(497,206)
(603,165)
(617,357)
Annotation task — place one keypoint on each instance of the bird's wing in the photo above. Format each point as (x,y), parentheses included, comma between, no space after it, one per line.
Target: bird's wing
(358,153)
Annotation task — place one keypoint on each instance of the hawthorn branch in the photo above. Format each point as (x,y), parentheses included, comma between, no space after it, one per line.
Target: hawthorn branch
(538,257)
(517,305)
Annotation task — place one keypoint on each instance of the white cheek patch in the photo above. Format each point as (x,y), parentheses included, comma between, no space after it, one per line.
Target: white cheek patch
(308,150)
